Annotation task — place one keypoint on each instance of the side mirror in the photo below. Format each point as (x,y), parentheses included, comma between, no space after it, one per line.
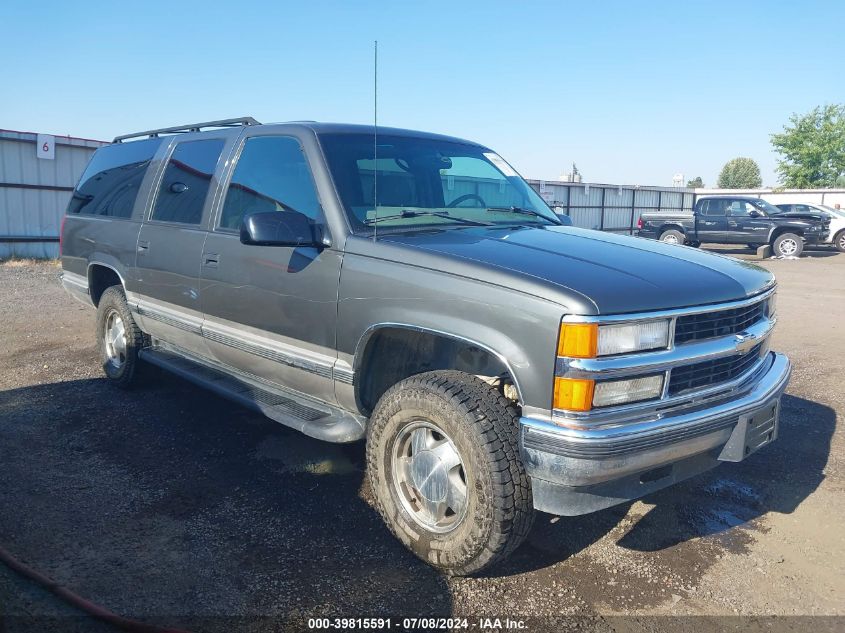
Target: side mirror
(279,228)
(754,214)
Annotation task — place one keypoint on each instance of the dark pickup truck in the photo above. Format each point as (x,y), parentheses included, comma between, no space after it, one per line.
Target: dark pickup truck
(737,220)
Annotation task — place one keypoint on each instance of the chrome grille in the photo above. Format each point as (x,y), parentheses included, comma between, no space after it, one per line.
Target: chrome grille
(697,327)
(712,372)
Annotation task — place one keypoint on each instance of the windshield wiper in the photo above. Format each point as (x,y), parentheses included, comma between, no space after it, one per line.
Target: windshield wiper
(523,211)
(408,213)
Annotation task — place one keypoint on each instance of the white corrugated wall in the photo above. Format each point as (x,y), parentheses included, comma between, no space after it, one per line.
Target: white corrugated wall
(34,192)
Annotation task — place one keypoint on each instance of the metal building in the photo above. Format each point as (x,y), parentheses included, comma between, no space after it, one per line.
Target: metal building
(37,174)
(607,207)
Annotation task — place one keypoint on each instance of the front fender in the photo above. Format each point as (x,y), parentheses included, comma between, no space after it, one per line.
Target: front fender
(519,329)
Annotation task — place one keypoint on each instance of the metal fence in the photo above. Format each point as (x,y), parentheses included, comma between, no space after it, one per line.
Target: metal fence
(612,207)
(34,191)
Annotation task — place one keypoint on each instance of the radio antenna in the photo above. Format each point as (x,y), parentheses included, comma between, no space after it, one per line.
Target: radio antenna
(375,138)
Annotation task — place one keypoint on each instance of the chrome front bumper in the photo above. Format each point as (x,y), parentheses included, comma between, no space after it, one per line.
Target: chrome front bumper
(576,471)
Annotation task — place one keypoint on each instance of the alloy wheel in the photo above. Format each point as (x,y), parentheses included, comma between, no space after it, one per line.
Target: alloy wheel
(429,476)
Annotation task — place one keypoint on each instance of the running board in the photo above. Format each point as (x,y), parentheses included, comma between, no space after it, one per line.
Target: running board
(312,417)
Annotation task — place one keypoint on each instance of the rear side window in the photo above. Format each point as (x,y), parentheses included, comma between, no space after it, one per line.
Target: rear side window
(714,206)
(186,181)
(272,174)
(109,186)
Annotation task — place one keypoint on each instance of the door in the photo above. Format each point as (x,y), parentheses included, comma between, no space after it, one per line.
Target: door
(747,224)
(271,310)
(710,220)
(170,243)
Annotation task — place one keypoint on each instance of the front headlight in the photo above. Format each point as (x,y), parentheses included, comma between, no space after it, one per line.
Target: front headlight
(576,394)
(613,392)
(632,337)
(588,340)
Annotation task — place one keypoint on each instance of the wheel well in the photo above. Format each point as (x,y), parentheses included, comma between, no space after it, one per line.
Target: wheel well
(778,232)
(393,354)
(672,227)
(99,279)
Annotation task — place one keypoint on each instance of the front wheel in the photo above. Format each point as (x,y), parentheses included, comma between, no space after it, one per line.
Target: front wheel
(788,245)
(444,466)
(839,241)
(672,237)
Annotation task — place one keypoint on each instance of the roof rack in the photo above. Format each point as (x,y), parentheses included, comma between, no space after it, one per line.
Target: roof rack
(193,127)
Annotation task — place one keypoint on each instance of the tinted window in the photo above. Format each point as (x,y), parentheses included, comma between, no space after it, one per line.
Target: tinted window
(110,183)
(186,181)
(714,206)
(272,174)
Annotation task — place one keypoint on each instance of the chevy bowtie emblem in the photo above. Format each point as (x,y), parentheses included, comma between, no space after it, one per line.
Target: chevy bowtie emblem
(744,342)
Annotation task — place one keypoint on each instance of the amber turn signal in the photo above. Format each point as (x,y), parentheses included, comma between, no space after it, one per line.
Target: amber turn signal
(573,394)
(578,340)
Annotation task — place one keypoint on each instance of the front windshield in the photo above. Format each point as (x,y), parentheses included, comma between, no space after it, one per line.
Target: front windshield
(767,207)
(428,182)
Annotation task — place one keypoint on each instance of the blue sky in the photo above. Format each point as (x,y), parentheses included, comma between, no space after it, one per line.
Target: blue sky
(634,92)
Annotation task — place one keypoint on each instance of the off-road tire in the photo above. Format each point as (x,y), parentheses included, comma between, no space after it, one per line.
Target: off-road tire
(783,237)
(667,236)
(133,369)
(484,427)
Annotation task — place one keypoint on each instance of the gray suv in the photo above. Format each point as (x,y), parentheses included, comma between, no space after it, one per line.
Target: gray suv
(410,289)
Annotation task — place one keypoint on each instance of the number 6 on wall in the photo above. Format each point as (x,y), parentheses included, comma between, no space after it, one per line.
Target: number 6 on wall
(45,147)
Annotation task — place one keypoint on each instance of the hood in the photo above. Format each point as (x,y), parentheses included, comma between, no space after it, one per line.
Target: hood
(618,274)
(800,215)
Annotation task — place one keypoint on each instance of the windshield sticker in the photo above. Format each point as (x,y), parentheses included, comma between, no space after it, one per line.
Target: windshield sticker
(500,164)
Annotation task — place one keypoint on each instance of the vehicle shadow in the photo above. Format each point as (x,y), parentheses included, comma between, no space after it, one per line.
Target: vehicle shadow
(776,479)
(173,506)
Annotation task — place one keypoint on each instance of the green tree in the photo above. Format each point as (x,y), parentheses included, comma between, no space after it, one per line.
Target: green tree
(740,173)
(812,148)
(696,182)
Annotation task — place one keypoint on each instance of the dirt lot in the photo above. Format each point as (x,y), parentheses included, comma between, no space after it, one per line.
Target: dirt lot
(169,504)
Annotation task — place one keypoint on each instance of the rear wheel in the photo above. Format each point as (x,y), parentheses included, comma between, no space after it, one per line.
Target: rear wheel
(839,241)
(788,245)
(672,236)
(119,339)
(443,462)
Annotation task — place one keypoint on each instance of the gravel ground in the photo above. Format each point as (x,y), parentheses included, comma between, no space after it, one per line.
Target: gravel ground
(171,505)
